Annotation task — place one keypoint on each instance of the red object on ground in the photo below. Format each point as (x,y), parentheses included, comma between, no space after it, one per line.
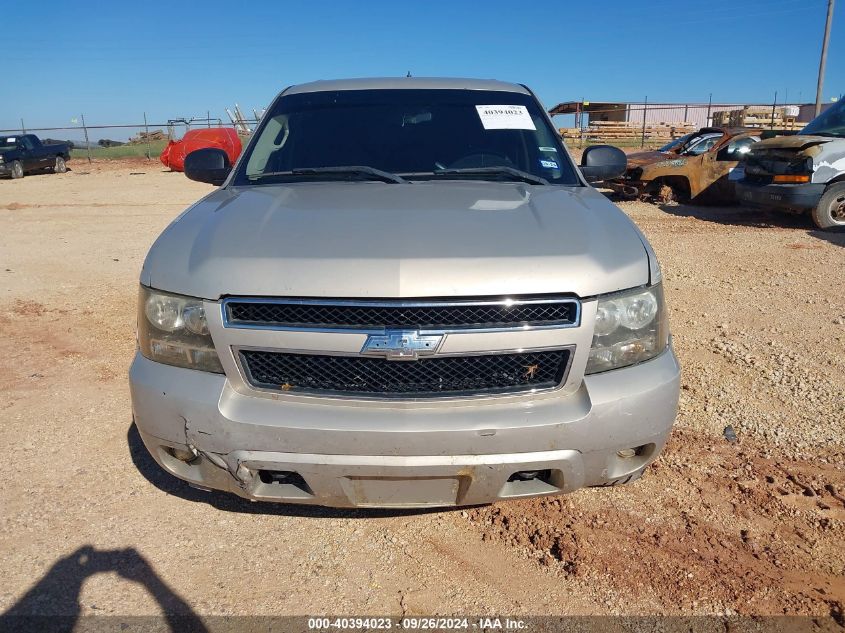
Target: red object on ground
(224,138)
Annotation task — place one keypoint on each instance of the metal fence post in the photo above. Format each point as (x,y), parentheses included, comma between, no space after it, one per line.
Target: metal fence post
(709,105)
(147,132)
(87,142)
(580,123)
(774,103)
(645,108)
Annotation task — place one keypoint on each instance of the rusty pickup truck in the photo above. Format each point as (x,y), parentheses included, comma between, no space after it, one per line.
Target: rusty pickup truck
(700,166)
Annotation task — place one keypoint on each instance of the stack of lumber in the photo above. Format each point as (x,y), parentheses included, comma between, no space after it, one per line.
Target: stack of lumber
(757,116)
(143,137)
(621,130)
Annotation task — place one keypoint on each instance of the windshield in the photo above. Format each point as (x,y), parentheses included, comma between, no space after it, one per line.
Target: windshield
(410,133)
(831,122)
(676,143)
(8,143)
(699,143)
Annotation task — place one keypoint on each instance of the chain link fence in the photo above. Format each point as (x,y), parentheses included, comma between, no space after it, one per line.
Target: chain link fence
(143,139)
(644,124)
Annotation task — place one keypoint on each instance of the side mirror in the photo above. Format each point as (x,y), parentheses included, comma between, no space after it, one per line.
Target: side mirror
(209,165)
(603,162)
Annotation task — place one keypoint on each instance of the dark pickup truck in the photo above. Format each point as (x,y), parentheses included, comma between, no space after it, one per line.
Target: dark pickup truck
(24,153)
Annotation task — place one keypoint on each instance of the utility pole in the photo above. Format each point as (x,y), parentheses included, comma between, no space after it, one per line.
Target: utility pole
(823,59)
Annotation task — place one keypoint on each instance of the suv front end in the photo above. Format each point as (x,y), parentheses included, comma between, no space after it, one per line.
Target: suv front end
(305,432)
(412,340)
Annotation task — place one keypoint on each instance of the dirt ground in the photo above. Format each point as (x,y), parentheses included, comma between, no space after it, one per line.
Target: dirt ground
(754,526)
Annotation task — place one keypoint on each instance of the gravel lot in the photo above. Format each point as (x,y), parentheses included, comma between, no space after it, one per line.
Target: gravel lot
(754,526)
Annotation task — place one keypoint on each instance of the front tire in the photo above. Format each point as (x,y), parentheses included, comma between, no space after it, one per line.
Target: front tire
(830,212)
(16,169)
(60,167)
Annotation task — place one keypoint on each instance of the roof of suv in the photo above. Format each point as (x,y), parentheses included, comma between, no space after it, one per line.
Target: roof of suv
(418,83)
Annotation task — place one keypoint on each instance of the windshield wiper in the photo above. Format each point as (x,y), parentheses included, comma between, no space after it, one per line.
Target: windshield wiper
(368,173)
(502,170)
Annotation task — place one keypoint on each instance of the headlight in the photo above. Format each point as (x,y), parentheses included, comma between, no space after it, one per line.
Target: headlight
(630,327)
(172,329)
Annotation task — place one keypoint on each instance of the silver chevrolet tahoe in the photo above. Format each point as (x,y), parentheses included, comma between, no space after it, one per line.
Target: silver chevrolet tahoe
(403,294)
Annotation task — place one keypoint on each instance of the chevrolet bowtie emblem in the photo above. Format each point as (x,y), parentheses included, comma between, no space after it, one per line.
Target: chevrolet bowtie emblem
(402,345)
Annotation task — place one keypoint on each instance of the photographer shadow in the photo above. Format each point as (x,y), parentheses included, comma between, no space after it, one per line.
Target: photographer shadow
(52,605)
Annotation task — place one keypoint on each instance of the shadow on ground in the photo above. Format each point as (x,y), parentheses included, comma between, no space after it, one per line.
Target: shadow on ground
(52,604)
(229,502)
(744,216)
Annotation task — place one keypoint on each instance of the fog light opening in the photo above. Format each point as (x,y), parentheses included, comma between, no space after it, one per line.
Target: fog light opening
(182,454)
(636,451)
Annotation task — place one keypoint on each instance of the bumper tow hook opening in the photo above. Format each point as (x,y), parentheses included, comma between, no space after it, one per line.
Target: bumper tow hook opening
(283,477)
(528,475)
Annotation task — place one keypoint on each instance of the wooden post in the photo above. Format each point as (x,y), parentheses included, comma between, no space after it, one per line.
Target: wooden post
(23,127)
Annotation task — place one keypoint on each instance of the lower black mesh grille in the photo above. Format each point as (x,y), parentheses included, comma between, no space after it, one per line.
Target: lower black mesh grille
(428,377)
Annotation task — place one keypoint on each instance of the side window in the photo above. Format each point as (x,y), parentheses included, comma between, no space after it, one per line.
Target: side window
(701,145)
(27,143)
(737,149)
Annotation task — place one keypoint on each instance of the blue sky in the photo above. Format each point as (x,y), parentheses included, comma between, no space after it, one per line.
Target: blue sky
(114,61)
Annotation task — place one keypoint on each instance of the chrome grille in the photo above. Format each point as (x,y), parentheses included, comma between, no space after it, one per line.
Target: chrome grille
(427,377)
(419,315)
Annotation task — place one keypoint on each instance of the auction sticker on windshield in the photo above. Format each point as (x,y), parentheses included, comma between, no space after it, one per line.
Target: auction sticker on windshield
(505,117)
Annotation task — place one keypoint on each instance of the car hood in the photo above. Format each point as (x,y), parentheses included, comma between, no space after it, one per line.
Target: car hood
(792,142)
(430,239)
(641,159)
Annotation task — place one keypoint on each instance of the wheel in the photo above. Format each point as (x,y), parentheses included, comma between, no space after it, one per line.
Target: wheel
(60,166)
(668,190)
(17,169)
(830,212)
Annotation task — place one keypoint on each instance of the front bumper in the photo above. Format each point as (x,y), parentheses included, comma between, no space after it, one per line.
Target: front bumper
(365,454)
(798,197)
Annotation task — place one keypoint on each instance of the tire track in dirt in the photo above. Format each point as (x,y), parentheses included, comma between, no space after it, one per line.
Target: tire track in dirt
(711,525)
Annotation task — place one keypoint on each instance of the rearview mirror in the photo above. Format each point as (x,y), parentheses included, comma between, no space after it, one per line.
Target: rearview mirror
(209,165)
(603,162)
